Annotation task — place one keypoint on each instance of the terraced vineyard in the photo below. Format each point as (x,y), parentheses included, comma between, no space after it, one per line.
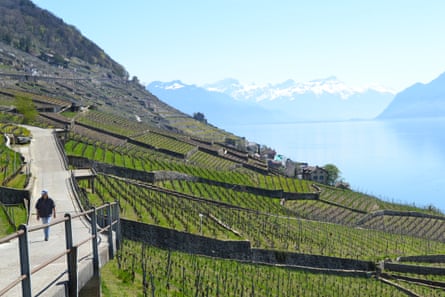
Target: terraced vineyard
(208,166)
(236,203)
(160,141)
(126,127)
(361,202)
(10,161)
(112,124)
(259,219)
(321,211)
(11,216)
(37,98)
(432,228)
(236,195)
(147,271)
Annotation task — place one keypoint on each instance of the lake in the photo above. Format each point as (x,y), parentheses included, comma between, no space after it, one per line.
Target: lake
(396,160)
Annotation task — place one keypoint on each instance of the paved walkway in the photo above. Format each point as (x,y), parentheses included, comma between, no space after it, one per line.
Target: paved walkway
(48,173)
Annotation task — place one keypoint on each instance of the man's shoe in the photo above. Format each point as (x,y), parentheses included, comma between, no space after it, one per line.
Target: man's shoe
(46,238)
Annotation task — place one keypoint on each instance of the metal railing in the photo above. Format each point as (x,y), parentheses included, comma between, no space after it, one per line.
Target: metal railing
(61,150)
(103,219)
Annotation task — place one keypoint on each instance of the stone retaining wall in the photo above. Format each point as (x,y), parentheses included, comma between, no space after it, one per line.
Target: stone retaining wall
(238,250)
(404,268)
(162,175)
(243,188)
(136,142)
(289,258)
(301,196)
(261,191)
(81,162)
(13,196)
(414,214)
(170,239)
(423,259)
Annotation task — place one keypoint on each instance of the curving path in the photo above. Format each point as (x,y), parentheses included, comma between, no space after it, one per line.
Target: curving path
(48,172)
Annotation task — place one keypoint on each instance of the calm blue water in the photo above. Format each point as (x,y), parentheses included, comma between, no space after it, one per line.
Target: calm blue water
(398,160)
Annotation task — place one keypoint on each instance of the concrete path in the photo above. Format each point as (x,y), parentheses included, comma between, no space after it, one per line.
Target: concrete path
(48,172)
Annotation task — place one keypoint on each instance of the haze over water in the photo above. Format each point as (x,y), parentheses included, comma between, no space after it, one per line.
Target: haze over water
(396,160)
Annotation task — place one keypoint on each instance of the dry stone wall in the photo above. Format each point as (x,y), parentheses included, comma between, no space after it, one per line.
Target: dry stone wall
(165,238)
(416,269)
(13,196)
(288,258)
(423,259)
(185,242)
(81,162)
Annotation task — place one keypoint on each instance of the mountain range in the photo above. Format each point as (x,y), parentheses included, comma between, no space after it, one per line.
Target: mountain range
(103,83)
(290,101)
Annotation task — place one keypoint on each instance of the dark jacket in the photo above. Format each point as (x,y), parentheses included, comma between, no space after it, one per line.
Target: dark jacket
(45,207)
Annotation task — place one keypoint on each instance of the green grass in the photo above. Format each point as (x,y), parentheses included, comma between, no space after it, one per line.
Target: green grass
(18,214)
(70,114)
(18,182)
(15,213)
(10,162)
(5,226)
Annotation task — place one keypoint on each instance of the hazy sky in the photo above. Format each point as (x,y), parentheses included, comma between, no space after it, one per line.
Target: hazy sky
(393,43)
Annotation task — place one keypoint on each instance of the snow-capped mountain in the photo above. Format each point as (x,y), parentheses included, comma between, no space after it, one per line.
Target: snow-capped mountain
(217,107)
(317,100)
(290,89)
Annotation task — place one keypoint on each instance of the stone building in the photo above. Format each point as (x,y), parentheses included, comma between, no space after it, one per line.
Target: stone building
(316,174)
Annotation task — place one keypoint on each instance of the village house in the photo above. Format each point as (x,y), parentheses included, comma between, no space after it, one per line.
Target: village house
(316,174)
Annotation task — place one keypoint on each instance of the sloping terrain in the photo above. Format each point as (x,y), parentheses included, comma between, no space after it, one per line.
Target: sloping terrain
(238,202)
(175,174)
(35,61)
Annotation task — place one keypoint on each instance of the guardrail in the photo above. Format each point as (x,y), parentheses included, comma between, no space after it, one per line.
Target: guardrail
(61,149)
(103,219)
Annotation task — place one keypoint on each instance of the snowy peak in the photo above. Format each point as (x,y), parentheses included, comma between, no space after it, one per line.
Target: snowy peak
(290,88)
(172,85)
(317,100)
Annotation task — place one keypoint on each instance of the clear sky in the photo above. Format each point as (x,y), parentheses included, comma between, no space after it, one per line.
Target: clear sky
(393,43)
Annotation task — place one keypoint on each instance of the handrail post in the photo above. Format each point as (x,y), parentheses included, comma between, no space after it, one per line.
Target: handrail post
(71,258)
(94,242)
(110,232)
(25,267)
(118,225)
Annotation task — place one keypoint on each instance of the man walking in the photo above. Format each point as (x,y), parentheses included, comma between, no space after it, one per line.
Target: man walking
(45,210)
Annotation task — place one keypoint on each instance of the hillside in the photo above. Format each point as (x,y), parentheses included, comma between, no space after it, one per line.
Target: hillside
(419,100)
(27,27)
(175,185)
(201,215)
(33,61)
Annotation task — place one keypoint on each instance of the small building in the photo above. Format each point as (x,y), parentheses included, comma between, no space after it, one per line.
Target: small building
(252,147)
(274,165)
(316,174)
(290,168)
(268,154)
